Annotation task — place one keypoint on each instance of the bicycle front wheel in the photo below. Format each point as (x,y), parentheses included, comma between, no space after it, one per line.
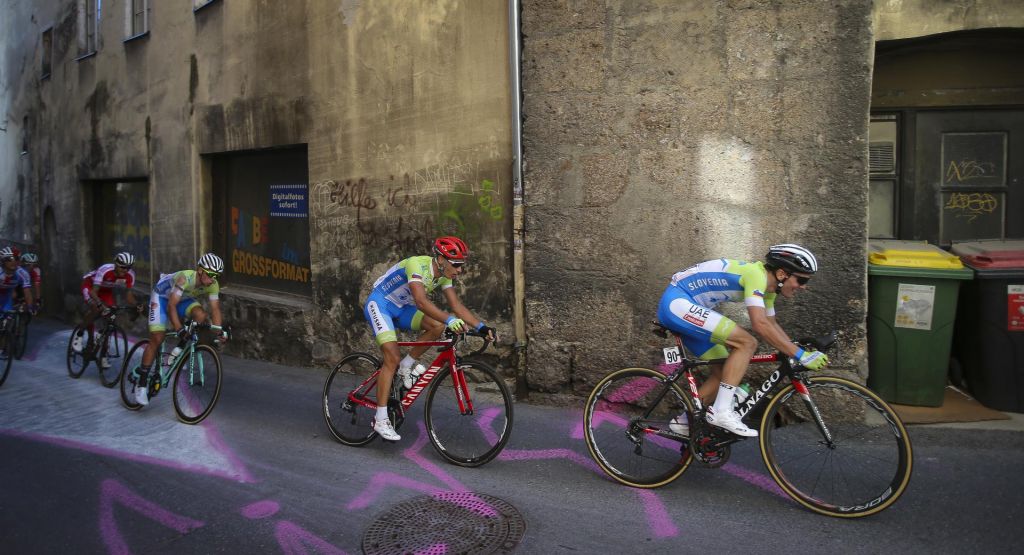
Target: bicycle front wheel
(350,422)
(475,433)
(626,426)
(129,376)
(21,334)
(78,359)
(6,357)
(197,384)
(112,351)
(860,467)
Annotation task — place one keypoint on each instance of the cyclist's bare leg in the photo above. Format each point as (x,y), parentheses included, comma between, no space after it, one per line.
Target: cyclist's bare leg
(432,330)
(709,389)
(155,339)
(741,346)
(198,315)
(387,371)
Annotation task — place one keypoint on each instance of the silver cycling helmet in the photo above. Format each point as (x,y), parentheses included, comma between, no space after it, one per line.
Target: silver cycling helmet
(211,263)
(125,259)
(29,258)
(7,253)
(792,258)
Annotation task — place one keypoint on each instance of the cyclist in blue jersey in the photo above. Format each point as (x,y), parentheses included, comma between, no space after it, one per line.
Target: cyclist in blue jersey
(687,307)
(399,301)
(14,280)
(174,299)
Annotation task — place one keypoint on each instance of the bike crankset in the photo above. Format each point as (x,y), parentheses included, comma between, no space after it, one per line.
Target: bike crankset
(709,447)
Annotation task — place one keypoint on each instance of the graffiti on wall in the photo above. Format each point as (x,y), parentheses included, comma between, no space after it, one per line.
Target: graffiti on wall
(403,212)
(971,205)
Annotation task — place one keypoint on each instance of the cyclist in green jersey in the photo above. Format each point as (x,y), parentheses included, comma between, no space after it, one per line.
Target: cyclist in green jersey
(399,301)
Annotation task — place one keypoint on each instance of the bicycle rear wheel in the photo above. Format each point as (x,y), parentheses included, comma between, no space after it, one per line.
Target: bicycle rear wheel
(79,360)
(626,426)
(349,422)
(130,374)
(197,384)
(862,469)
(112,351)
(475,437)
(5,357)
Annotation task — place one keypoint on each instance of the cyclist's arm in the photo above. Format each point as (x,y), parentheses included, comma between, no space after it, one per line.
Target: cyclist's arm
(172,308)
(215,311)
(460,309)
(94,294)
(28,295)
(768,329)
(419,296)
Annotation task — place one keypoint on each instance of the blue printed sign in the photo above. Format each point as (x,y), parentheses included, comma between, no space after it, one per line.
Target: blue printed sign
(289,201)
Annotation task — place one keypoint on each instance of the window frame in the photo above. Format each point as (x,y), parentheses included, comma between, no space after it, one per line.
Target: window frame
(130,12)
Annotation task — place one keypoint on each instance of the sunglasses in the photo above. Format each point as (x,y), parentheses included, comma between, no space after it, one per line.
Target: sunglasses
(802,280)
(456,263)
(213,275)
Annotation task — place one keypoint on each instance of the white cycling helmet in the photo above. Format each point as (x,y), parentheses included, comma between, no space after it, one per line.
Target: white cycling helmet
(792,258)
(124,259)
(211,263)
(7,253)
(29,258)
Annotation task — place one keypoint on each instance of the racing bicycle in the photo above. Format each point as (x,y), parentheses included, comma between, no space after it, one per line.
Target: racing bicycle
(196,370)
(8,324)
(831,444)
(107,349)
(468,411)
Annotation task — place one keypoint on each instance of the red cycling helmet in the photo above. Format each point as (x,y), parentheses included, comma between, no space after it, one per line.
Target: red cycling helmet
(451,248)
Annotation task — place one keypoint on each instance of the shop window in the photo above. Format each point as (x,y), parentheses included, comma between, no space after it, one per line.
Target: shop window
(261,218)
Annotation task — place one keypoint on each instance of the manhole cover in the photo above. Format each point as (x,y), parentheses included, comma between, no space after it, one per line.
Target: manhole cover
(448,523)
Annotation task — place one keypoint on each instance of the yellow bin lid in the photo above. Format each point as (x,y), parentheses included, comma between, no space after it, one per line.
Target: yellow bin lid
(911,254)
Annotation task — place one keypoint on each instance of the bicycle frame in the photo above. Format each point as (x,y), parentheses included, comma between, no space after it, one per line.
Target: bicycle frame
(446,357)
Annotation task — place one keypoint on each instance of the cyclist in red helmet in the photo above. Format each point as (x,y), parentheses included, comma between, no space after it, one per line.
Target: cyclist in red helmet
(399,301)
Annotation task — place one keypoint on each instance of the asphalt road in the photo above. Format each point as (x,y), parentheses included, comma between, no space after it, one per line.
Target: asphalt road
(79,473)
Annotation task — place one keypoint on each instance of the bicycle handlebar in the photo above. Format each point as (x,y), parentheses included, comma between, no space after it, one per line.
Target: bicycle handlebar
(461,336)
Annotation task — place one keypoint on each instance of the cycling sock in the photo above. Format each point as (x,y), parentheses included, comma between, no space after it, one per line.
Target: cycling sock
(723,403)
(408,361)
(382,413)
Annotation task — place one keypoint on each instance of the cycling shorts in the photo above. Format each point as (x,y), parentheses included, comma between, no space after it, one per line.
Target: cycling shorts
(703,330)
(105,293)
(385,318)
(158,311)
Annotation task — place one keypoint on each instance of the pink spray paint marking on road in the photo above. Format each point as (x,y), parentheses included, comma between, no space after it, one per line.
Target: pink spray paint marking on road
(295,540)
(113,492)
(658,518)
(261,509)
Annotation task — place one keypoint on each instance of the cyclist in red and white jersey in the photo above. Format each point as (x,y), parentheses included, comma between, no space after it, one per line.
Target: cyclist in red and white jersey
(98,291)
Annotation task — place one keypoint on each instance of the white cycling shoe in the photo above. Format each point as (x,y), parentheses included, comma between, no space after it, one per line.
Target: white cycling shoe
(729,421)
(409,375)
(141,395)
(385,430)
(680,425)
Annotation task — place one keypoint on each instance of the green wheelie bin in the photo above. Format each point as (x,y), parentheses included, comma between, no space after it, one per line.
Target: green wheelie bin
(912,296)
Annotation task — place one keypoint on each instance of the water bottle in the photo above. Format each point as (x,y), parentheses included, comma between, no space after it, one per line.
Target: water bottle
(174,355)
(740,396)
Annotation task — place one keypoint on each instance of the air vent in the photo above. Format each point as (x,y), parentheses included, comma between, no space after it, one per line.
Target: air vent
(883,157)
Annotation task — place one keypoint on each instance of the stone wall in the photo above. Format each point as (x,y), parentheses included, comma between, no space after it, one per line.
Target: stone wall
(662,133)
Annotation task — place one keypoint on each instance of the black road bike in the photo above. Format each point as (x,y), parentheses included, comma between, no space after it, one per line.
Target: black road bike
(831,444)
(106,349)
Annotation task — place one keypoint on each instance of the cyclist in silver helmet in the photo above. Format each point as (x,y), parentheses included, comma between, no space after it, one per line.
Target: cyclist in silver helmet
(688,308)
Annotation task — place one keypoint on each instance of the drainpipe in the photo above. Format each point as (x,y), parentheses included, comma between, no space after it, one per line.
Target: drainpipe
(518,218)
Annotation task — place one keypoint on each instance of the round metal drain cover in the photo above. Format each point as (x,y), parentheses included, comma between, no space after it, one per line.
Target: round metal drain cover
(447,522)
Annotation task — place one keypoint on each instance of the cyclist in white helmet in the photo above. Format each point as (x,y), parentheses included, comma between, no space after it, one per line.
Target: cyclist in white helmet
(30,262)
(97,290)
(687,307)
(172,301)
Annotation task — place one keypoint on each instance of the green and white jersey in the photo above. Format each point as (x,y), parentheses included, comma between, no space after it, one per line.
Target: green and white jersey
(187,283)
(394,284)
(714,282)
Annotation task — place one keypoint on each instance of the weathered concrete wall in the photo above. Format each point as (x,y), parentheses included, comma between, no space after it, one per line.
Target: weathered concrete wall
(901,19)
(404,106)
(662,133)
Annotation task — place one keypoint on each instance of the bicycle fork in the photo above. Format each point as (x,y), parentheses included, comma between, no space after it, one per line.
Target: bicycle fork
(812,407)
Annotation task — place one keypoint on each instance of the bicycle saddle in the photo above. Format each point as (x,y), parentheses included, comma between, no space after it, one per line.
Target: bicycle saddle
(820,343)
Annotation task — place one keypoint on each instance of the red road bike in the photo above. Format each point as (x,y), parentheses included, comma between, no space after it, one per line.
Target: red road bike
(468,411)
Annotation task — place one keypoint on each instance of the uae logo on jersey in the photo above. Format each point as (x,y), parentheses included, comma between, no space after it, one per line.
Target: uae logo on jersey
(697,315)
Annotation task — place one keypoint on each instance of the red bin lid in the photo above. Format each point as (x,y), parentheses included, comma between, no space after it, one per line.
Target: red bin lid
(993,254)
